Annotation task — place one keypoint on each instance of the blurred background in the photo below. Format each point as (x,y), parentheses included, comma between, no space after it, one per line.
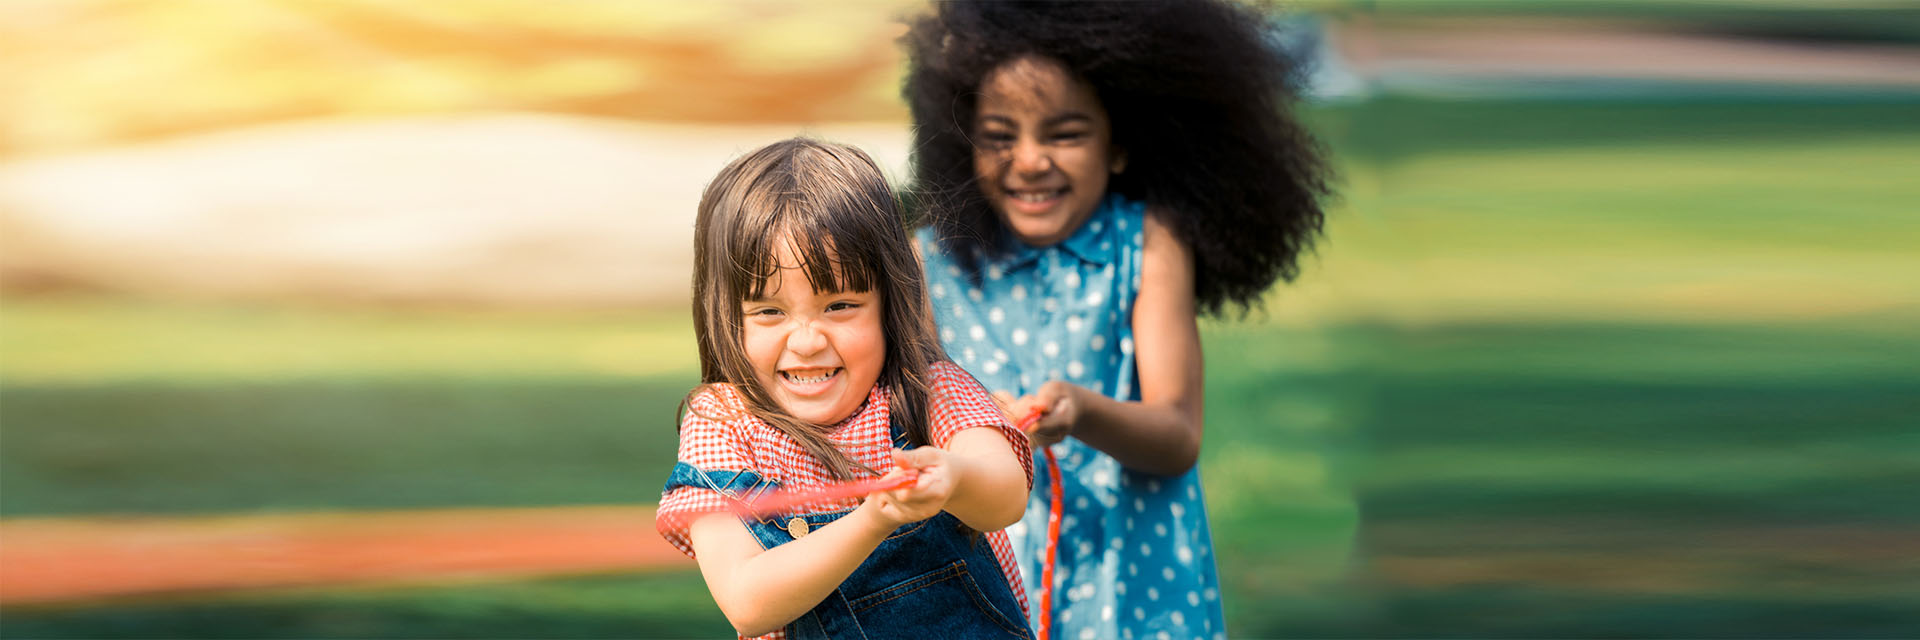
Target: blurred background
(359,318)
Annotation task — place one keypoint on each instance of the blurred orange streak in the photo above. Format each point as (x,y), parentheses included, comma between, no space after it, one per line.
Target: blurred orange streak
(56,559)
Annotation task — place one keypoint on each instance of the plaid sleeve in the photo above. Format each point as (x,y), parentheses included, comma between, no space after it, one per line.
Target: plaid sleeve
(708,441)
(959,403)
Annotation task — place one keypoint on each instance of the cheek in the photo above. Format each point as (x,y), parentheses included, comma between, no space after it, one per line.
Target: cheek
(986,165)
(870,348)
(1091,163)
(762,347)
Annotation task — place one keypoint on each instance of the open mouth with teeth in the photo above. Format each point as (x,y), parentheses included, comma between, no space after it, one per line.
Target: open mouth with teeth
(809,376)
(1041,196)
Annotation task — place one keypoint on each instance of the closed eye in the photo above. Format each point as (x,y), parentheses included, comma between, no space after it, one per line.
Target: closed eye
(994,139)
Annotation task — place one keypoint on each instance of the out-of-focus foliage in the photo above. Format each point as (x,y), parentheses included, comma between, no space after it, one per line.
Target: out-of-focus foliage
(67,341)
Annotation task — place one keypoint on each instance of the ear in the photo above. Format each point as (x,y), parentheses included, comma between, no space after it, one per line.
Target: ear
(1118,162)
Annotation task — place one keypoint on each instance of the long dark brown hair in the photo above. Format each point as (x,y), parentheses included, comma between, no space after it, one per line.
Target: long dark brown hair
(833,207)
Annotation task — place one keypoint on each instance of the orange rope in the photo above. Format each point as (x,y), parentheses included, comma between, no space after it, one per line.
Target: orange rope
(1053,528)
(778,501)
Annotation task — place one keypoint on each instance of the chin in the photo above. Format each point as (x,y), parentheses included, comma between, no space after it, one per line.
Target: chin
(1038,233)
(820,414)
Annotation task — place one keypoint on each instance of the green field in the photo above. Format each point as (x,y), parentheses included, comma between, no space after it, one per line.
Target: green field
(1561,369)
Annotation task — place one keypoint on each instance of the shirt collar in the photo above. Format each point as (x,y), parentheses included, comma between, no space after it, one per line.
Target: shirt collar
(1092,242)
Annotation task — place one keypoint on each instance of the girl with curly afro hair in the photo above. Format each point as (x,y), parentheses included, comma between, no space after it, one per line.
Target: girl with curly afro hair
(1090,177)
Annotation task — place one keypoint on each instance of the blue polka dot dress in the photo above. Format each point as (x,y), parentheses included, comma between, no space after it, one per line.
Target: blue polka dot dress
(1135,558)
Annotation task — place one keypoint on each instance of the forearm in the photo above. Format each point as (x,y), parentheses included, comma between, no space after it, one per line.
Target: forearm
(1161,439)
(992,488)
(1161,433)
(771,588)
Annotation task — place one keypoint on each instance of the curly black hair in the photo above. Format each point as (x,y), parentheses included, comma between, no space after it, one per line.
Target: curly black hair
(1199,96)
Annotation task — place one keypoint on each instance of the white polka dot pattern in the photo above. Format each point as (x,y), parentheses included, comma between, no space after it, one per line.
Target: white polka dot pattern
(1064,312)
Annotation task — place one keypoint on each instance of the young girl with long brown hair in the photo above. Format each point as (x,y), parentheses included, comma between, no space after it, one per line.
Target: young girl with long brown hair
(818,365)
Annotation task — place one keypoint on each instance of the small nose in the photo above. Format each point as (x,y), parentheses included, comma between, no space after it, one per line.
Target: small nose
(805,339)
(1030,157)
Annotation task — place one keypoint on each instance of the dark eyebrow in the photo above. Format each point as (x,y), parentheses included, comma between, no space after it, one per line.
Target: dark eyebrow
(1065,118)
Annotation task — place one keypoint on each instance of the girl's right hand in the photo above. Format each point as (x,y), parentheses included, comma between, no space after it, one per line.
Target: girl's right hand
(927,496)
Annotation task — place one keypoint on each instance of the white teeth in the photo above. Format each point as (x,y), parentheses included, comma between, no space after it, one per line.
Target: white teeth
(1036,196)
(803,380)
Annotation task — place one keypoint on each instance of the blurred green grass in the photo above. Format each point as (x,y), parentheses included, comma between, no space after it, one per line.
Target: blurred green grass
(335,444)
(1726,212)
(1562,369)
(91,341)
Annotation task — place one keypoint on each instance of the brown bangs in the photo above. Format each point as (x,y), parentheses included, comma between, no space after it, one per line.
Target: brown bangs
(835,244)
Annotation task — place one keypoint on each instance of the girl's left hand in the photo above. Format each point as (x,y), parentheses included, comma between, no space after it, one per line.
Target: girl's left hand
(928,495)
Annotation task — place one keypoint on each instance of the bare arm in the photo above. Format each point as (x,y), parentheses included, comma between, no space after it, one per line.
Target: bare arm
(762,590)
(992,488)
(1160,433)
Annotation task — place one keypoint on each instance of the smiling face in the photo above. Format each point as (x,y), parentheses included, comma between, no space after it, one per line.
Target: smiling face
(1043,149)
(817,354)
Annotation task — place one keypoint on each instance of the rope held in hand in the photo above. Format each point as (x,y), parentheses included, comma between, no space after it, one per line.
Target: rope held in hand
(777,501)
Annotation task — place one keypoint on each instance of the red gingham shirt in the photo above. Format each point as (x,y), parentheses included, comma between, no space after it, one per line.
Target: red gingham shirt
(717,433)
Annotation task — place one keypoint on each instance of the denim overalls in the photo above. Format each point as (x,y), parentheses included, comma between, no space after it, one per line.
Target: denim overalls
(930,579)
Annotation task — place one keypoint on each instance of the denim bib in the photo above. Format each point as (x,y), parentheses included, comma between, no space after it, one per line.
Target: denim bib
(930,579)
